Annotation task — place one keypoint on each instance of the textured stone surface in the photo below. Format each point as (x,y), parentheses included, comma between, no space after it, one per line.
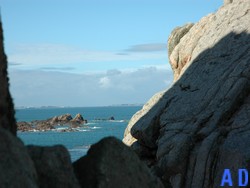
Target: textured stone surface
(7,114)
(176,36)
(53,166)
(180,58)
(111,164)
(226,2)
(206,33)
(16,166)
(201,124)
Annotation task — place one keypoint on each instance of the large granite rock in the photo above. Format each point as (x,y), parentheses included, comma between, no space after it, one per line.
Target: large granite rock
(7,113)
(201,125)
(53,166)
(111,164)
(16,166)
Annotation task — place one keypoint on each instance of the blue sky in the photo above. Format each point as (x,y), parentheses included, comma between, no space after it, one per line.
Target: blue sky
(89,52)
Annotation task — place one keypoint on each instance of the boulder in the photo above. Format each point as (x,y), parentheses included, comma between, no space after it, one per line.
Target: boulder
(111,164)
(112,118)
(200,126)
(53,166)
(16,167)
(7,113)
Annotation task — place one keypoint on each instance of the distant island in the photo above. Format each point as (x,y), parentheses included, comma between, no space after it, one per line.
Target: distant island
(49,124)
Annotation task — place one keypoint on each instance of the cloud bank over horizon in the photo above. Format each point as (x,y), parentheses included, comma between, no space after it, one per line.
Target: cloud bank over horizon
(111,87)
(62,75)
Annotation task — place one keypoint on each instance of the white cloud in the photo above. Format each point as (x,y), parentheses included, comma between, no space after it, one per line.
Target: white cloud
(105,82)
(38,88)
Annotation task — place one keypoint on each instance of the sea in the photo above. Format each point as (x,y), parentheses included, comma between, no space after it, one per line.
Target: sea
(79,141)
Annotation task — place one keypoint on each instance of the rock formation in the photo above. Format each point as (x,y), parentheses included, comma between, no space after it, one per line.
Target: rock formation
(200,126)
(111,164)
(7,117)
(51,123)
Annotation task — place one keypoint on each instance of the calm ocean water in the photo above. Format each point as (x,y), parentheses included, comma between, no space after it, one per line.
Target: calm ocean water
(78,142)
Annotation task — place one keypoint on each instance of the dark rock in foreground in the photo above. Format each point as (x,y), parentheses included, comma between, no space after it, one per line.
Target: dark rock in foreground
(7,113)
(53,166)
(111,164)
(16,166)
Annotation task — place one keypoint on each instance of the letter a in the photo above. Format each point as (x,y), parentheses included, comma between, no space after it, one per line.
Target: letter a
(226,178)
(240,174)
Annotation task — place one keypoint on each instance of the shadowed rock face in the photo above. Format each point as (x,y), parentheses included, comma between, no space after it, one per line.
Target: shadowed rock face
(7,113)
(111,164)
(201,125)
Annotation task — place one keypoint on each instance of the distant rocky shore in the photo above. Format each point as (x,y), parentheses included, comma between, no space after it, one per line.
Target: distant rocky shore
(52,123)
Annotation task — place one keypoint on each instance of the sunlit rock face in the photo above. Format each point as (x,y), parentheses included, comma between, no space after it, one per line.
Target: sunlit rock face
(200,126)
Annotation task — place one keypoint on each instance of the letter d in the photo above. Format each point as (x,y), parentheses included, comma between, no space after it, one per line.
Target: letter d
(240,176)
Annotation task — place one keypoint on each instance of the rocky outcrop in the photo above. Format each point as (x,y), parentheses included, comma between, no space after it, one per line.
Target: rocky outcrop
(53,166)
(176,36)
(204,34)
(111,164)
(51,123)
(7,117)
(201,125)
(174,39)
